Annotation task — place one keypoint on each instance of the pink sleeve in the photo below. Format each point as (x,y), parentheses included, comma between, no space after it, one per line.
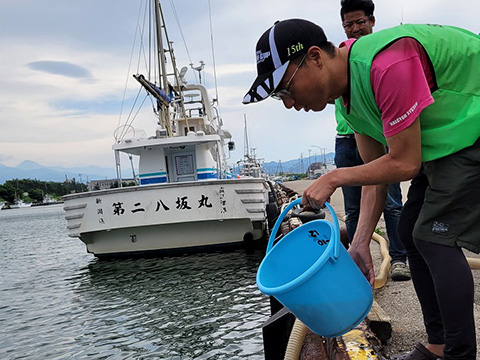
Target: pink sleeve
(401,81)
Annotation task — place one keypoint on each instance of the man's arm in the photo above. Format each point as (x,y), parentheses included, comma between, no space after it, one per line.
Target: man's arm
(402,162)
(371,207)
(404,159)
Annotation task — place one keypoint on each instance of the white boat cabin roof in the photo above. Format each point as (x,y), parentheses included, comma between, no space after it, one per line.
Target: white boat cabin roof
(137,145)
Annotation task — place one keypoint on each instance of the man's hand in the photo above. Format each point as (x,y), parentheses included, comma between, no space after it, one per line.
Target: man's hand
(360,253)
(316,194)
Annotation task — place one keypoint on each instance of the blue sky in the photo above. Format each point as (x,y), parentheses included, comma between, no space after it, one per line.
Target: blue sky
(64,66)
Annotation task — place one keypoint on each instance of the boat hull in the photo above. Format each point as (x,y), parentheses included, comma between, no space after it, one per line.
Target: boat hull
(180,217)
(19,205)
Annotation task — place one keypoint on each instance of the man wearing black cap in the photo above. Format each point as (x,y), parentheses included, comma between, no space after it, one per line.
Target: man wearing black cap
(413,88)
(274,56)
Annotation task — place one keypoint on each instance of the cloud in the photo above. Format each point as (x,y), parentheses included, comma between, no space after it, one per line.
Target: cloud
(63,68)
(234,69)
(66,76)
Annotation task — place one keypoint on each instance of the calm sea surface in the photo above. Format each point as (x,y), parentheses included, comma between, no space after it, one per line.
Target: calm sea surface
(58,302)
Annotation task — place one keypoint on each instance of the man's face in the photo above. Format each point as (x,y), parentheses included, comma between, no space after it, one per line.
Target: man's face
(356,24)
(310,88)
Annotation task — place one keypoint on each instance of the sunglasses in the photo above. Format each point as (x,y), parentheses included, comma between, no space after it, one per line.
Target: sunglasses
(284,93)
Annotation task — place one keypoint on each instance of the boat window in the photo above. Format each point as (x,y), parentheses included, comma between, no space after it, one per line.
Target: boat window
(184,164)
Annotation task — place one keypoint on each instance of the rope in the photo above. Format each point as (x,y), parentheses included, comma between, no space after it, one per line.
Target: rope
(129,67)
(175,14)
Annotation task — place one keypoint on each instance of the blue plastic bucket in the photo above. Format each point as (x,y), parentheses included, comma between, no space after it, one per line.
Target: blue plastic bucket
(311,273)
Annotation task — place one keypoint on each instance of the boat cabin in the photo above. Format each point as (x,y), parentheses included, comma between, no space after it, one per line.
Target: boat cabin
(192,151)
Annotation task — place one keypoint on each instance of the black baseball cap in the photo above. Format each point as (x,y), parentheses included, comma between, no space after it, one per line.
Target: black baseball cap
(284,41)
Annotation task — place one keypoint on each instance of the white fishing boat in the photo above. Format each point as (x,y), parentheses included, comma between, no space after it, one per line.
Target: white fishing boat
(250,165)
(20,204)
(186,198)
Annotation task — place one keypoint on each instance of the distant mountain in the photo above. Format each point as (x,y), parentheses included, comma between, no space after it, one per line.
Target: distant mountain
(297,165)
(32,170)
(29,165)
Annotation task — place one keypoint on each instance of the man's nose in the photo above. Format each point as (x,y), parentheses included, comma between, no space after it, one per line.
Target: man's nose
(288,102)
(356,27)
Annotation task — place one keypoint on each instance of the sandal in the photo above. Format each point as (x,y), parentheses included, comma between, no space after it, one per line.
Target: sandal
(419,352)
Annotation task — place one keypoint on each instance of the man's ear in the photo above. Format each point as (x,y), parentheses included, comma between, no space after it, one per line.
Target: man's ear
(372,20)
(315,55)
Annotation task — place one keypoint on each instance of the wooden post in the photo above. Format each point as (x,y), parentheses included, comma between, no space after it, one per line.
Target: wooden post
(379,322)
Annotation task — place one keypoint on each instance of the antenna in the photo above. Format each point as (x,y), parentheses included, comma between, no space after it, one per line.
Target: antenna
(213,52)
(199,69)
(246,149)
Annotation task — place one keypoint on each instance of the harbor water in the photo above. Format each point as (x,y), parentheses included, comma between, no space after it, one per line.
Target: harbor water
(59,302)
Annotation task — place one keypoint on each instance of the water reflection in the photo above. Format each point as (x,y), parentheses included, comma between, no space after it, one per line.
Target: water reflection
(198,306)
(57,302)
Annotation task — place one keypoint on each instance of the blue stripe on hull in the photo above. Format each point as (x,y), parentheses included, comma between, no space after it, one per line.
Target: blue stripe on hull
(206,176)
(155,180)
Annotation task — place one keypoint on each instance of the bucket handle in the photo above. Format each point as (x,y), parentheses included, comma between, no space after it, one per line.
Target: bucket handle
(285,212)
(336,249)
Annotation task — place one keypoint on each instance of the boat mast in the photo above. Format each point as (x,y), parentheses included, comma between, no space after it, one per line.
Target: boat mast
(246,148)
(160,25)
(164,112)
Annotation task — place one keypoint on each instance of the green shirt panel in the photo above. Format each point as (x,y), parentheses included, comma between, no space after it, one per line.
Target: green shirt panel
(452,122)
(342,126)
